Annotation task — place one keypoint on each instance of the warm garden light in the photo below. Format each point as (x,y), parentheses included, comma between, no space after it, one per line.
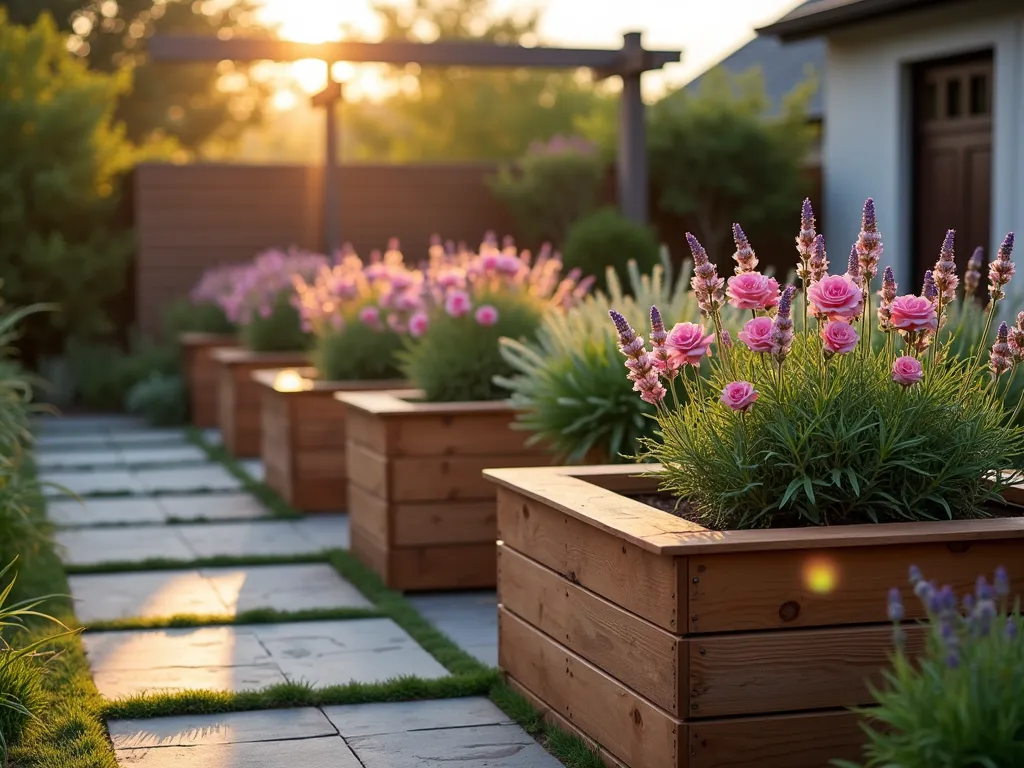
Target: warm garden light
(821,576)
(289,380)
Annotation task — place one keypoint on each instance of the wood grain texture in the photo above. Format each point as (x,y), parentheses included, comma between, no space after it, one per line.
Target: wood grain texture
(201,374)
(446,522)
(638,654)
(828,587)
(631,728)
(637,580)
(454,566)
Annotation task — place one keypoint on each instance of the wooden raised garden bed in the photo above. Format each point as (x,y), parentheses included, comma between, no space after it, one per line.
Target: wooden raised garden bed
(238,396)
(672,646)
(421,514)
(200,373)
(302,431)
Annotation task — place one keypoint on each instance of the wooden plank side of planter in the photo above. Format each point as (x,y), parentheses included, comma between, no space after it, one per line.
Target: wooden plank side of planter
(368,469)
(434,478)
(367,430)
(275,443)
(456,566)
(633,578)
(201,371)
(645,658)
(627,725)
(446,522)
(226,411)
(830,587)
(367,512)
(803,669)
(806,740)
(469,434)
(319,422)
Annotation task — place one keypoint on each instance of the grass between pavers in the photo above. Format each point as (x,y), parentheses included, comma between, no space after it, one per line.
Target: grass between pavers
(570,749)
(256,616)
(266,495)
(174,564)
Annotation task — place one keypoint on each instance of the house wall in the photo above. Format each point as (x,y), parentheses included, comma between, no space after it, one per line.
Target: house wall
(867,149)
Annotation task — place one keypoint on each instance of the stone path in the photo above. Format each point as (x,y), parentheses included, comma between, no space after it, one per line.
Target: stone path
(151,495)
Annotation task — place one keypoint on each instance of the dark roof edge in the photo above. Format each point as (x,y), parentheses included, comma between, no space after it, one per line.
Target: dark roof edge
(797,26)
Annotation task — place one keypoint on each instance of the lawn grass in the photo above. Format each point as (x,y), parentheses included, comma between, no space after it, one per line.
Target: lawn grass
(174,564)
(257,616)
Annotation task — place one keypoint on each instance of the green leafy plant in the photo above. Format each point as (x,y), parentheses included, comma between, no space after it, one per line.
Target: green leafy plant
(279,331)
(21,694)
(184,315)
(821,426)
(957,704)
(103,373)
(605,241)
(467,303)
(567,389)
(161,398)
(552,186)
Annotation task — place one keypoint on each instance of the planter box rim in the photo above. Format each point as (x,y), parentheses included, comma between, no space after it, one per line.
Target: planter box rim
(397,402)
(200,338)
(266,377)
(230,355)
(577,491)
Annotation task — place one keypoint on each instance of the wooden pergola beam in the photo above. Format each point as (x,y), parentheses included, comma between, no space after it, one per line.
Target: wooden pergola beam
(442,53)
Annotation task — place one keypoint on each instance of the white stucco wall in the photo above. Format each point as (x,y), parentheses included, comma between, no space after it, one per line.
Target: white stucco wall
(867,126)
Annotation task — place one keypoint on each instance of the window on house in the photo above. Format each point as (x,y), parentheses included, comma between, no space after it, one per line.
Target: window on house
(953,89)
(979,95)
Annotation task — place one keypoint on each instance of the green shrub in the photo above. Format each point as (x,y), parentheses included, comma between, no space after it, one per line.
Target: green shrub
(160,398)
(458,358)
(606,239)
(568,389)
(60,163)
(279,331)
(957,705)
(103,373)
(183,316)
(357,353)
(551,186)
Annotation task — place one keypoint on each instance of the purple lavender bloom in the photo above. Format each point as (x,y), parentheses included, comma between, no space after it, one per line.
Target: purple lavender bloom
(746,260)
(887,295)
(869,243)
(818,262)
(782,326)
(853,265)
(924,591)
(658,337)
(895,605)
(968,603)
(982,590)
(981,619)
(707,286)
(944,272)
(929,290)
(1001,269)
(953,660)
(642,370)
(1001,583)
(1000,357)
(1011,628)
(915,575)
(805,241)
(972,277)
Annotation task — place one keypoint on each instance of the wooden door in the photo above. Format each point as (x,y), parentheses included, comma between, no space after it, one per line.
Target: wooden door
(952,139)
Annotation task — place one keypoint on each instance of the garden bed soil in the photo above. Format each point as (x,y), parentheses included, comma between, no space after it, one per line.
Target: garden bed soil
(302,434)
(200,374)
(673,646)
(421,514)
(238,396)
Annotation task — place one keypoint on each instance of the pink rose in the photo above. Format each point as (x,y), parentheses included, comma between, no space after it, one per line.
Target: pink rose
(907,371)
(369,316)
(457,304)
(913,313)
(839,337)
(837,297)
(757,334)
(418,324)
(739,395)
(686,345)
(752,290)
(486,315)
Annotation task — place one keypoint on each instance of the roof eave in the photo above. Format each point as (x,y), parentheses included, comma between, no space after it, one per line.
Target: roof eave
(816,24)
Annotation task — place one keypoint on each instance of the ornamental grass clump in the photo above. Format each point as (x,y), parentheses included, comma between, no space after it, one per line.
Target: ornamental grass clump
(202,310)
(263,302)
(564,389)
(804,420)
(357,312)
(470,301)
(957,705)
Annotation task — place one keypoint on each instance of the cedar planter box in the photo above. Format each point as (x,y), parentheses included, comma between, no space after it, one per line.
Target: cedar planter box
(303,437)
(238,396)
(200,373)
(421,514)
(672,646)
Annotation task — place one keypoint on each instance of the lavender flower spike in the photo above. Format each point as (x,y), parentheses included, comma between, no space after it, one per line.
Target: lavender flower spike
(853,265)
(887,296)
(658,337)
(1001,583)
(944,271)
(1001,269)
(1017,340)
(819,260)
(929,290)
(782,326)
(746,260)
(895,605)
(869,243)
(972,277)
(805,241)
(999,358)
(707,286)
(642,371)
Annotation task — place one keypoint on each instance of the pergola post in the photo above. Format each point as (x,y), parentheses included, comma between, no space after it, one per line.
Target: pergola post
(329,99)
(631,171)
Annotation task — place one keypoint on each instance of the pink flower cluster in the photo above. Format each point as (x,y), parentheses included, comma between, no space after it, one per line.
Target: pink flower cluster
(258,286)
(216,283)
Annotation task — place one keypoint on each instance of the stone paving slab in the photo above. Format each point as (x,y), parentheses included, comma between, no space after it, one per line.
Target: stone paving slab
(99,511)
(148,437)
(245,657)
(469,619)
(83,457)
(213,436)
(163,454)
(230,728)
(329,752)
(49,425)
(485,746)
(404,716)
(254,468)
(211,591)
(91,482)
(62,441)
(205,477)
(212,506)
(270,537)
(130,543)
